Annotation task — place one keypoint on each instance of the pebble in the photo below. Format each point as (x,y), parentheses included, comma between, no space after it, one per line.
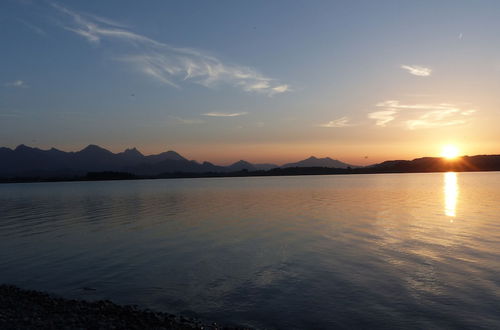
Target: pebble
(25,309)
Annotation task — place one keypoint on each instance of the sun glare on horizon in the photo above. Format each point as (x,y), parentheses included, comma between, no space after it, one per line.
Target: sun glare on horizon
(449,152)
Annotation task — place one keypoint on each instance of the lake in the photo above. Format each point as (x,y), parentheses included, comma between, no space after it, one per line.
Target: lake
(409,251)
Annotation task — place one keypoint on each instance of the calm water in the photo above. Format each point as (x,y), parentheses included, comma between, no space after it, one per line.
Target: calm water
(374,251)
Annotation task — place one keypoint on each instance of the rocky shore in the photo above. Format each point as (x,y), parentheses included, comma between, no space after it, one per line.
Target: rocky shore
(24,309)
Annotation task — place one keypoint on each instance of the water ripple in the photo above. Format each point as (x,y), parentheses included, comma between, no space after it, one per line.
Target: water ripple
(361,251)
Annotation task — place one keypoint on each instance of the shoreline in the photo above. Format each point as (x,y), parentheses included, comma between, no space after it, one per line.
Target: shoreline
(478,163)
(119,176)
(29,309)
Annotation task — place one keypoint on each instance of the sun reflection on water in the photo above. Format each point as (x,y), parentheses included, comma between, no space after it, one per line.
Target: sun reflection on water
(450,193)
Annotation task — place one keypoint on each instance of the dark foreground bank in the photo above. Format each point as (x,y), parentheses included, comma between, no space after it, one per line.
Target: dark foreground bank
(24,309)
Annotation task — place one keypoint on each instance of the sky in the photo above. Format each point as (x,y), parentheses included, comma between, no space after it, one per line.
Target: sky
(264,81)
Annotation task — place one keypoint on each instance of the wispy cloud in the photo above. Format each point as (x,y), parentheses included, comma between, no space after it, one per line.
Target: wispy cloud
(438,118)
(166,63)
(16,83)
(12,114)
(395,104)
(188,121)
(417,70)
(341,122)
(382,118)
(224,114)
(417,116)
(33,28)
(468,112)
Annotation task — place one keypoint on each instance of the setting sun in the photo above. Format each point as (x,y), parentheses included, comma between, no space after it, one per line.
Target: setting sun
(346,150)
(449,152)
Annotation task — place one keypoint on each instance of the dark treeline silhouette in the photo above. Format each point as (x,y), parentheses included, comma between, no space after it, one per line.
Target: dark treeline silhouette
(109,175)
(419,165)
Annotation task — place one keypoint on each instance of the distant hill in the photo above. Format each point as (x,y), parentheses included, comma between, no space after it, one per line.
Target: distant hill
(319,162)
(168,155)
(241,165)
(437,164)
(244,165)
(26,161)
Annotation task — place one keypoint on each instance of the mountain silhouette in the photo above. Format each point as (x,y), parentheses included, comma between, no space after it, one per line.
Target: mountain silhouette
(25,161)
(96,162)
(244,165)
(319,162)
(241,165)
(130,155)
(168,155)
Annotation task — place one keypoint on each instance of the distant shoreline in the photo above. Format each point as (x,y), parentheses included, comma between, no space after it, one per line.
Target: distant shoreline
(290,171)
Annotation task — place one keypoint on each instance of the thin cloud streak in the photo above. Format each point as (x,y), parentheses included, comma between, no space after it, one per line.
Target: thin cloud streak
(417,70)
(16,83)
(33,28)
(337,123)
(187,121)
(224,114)
(420,116)
(395,104)
(11,115)
(382,118)
(434,119)
(168,64)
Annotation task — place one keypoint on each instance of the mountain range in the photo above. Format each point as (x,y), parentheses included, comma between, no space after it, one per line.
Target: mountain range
(319,162)
(24,161)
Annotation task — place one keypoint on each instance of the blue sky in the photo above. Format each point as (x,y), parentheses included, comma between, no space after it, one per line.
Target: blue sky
(360,81)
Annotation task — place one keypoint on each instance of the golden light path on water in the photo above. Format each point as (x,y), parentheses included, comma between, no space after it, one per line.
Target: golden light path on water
(450,194)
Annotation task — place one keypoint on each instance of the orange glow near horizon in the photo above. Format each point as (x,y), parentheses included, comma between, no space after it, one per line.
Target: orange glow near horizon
(355,153)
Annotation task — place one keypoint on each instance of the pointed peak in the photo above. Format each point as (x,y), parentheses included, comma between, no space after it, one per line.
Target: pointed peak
(94,148)
(241,165)
(312,157)
(170,154)
(241,161)
(55,150)
(91,146)
(132,151)
(22,147)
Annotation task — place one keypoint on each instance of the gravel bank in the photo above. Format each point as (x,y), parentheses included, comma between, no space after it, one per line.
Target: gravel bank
(23,309)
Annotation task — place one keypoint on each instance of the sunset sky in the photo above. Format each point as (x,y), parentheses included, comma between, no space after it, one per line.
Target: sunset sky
(264,81)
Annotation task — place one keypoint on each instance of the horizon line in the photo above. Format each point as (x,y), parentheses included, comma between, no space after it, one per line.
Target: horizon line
(229,164)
